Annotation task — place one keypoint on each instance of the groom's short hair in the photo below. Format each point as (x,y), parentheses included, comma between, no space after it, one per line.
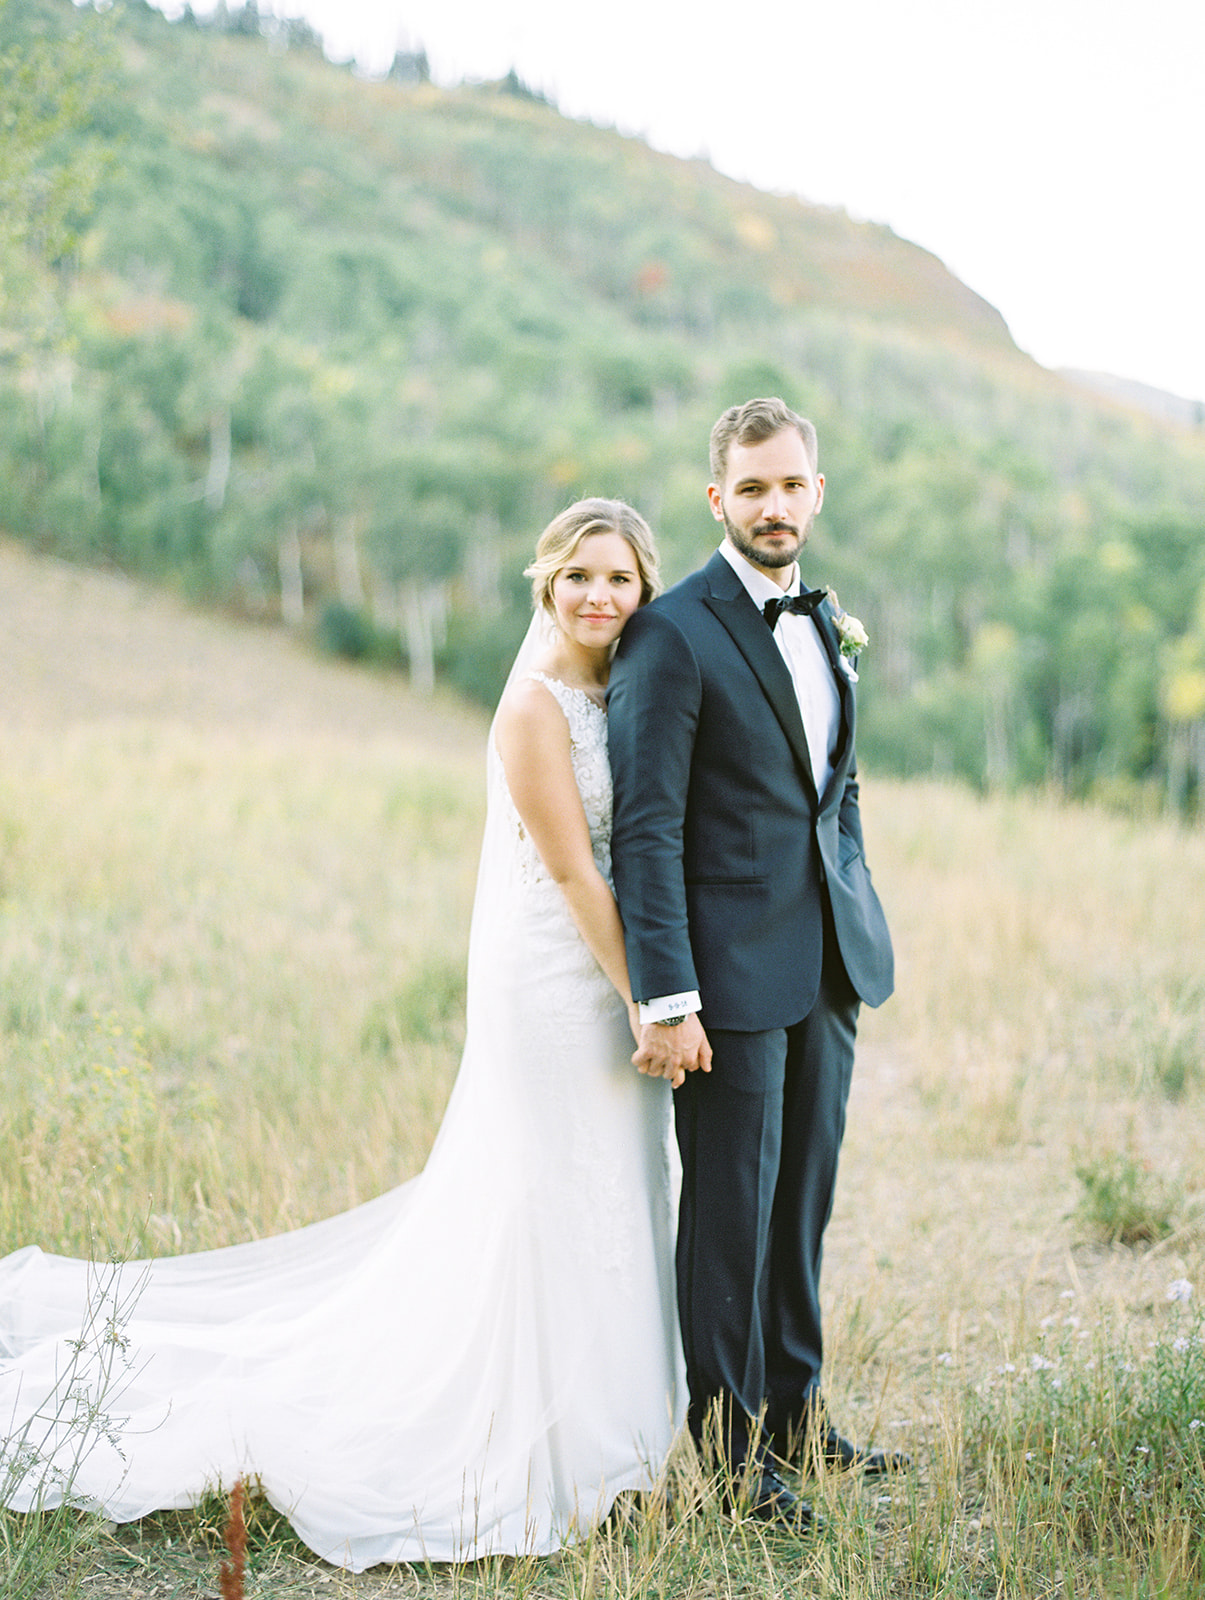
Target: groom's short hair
(753,423)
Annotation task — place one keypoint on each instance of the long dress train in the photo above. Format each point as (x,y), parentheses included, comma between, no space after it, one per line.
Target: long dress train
(475,1363)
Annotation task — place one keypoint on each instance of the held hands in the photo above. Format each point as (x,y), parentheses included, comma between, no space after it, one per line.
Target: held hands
(673,1052)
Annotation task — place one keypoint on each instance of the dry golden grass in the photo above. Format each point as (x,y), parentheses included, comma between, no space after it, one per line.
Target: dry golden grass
(1048,973)
(231,875)
(234,894)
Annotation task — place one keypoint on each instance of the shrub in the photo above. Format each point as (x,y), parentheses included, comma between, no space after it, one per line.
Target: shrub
(1124,1202)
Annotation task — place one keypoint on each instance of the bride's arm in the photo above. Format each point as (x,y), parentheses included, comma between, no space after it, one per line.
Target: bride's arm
(533,742)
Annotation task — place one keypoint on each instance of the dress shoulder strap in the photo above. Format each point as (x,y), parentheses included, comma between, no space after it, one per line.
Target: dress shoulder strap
(565,694)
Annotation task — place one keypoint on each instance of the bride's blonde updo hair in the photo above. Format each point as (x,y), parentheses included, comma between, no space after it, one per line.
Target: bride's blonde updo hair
(559,540)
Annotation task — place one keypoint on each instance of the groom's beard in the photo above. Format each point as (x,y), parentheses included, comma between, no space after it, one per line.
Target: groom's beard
(768,558)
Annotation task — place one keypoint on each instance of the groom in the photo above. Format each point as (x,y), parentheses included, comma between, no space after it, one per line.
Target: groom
(753,934)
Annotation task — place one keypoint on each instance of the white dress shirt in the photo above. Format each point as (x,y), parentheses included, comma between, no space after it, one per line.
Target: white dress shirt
(801,647)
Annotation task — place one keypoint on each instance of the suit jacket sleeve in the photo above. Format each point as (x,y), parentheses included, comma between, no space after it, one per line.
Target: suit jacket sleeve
(653,704)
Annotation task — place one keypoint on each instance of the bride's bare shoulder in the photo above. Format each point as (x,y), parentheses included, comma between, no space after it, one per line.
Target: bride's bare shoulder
(529,710)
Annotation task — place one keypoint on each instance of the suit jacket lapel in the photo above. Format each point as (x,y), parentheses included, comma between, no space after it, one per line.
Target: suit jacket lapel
(824,622)
(728,600)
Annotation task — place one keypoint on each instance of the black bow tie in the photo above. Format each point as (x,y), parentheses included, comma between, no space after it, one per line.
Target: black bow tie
(800,605)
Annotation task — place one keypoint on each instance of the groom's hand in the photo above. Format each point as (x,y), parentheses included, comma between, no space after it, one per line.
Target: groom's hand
(673,1052)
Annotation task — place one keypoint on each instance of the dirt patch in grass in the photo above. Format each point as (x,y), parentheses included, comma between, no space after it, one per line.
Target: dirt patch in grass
(84,646)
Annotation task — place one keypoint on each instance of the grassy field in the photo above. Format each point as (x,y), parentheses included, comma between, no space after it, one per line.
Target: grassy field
(234,895)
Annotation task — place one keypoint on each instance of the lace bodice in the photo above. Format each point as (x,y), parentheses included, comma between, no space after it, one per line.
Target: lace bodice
(588,749)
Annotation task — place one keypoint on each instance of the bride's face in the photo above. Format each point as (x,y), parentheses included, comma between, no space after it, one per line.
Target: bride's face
(597,590)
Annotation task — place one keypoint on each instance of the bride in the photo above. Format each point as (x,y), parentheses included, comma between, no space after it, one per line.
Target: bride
(478,1362)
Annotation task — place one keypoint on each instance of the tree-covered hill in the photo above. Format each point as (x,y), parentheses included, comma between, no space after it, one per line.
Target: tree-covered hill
(335,350)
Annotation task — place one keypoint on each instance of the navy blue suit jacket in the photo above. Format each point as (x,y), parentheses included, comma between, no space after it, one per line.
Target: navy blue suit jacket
(723,852)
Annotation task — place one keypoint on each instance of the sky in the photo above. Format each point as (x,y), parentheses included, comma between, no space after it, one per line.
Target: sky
(1048,151)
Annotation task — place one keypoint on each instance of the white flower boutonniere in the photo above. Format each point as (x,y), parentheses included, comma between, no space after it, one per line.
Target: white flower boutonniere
(852,634)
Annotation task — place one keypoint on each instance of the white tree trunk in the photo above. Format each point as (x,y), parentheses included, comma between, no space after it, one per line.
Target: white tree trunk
(487,563)
(347,562)
(217,478)
(424,627)
(292,586)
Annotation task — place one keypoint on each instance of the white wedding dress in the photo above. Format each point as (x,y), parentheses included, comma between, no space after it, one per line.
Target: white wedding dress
(475,1363)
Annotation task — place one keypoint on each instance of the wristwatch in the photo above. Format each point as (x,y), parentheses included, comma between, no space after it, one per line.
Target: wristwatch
(671,1022)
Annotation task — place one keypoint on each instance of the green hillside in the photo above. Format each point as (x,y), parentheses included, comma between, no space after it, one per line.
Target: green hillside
(335,350)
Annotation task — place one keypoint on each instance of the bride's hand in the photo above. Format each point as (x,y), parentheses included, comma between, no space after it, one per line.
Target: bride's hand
(634,1020)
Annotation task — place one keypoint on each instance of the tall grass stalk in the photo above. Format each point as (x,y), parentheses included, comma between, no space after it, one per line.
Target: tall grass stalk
(41,1457)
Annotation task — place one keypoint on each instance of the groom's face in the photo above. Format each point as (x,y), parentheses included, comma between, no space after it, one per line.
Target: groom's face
(768,500)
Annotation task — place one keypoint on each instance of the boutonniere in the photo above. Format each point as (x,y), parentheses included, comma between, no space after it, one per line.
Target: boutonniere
(852,634)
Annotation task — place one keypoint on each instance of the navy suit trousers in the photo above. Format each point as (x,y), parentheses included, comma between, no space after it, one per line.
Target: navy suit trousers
(760,1137)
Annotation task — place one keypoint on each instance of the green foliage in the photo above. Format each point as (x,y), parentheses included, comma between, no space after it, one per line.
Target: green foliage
(40,1546)
(305,304)
(1103,1457)
(478,655)
(53,151)
(1123,1201)
(347,631)
(428,1010)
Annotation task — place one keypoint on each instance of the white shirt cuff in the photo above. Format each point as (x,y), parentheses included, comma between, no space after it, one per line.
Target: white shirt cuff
(669,1005)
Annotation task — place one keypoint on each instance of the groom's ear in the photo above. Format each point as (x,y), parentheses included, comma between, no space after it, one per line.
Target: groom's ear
(715,498)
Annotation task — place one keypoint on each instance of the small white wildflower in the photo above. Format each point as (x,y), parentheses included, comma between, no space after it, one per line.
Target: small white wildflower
(1142,1449)
(1071,1322)
(1180,1346)
(1047,1322)
(945,1359)
(1195,1424)
(1040,1364)
(1007,1367)
(1067,1294)
(1180,1289)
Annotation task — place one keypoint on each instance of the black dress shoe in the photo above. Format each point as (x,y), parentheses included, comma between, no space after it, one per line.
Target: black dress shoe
(769,1500)
(810,1443)
(842,1456)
